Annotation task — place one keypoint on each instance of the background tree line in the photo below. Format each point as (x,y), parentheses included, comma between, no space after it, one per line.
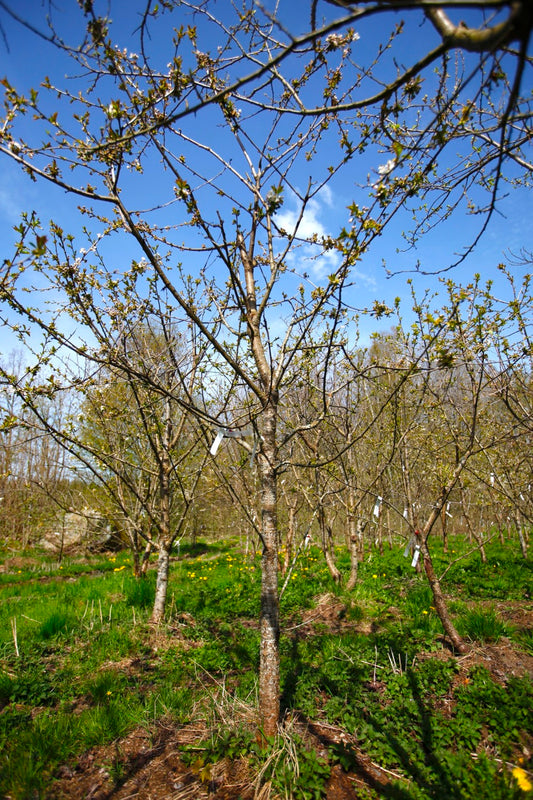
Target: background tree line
(370,438)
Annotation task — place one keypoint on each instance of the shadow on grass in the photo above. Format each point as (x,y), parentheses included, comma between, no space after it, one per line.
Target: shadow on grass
(417,765)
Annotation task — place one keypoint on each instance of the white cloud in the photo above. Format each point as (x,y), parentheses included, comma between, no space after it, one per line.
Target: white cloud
(322,218)
(310,225)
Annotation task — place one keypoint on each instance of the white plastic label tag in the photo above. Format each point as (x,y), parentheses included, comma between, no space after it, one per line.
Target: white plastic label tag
(216,443)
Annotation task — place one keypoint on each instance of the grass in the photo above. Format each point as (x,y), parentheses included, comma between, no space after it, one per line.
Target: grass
(482,625)
(90,668)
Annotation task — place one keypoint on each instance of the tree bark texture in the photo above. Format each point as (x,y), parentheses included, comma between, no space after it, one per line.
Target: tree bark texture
(161,585)
(289,539)
(165,538)
(355,535)
(521,535)
(326,536)
(269,688)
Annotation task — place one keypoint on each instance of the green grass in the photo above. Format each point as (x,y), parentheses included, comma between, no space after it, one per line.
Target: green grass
(506,575)
(89,668)
(481,624)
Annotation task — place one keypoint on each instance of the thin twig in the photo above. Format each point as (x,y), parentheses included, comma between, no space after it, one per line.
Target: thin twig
(14,631)
(390,772)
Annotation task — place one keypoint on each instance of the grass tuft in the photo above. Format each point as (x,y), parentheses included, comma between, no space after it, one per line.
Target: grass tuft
(481,625)
(56,624)
(140,592)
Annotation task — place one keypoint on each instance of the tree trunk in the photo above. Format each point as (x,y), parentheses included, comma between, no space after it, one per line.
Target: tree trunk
(136,562)
(161,586)
(165,538)
(355,534)
(289,541)
(438,597)
(439,600)
(412,517)
(379,533)
(444,523)
(521,537)
(140,562)
(478,537)
(269,688)
(145,560)
(326,536)
(389,529)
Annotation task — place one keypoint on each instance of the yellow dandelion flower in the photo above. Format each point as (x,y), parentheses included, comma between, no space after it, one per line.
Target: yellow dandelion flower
(425,612)
(522,780)
(374,576)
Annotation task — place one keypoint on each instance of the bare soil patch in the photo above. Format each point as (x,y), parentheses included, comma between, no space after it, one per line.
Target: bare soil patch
(147,765)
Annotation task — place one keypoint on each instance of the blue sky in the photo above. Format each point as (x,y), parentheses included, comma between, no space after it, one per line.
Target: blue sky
(510,229)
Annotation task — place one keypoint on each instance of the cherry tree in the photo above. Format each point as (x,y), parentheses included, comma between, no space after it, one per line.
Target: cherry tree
(201,162)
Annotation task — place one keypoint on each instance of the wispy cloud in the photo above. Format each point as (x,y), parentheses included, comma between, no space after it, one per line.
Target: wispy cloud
(321,262)
(321,219)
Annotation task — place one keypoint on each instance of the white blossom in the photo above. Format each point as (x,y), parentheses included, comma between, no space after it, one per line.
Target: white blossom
(385,169)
